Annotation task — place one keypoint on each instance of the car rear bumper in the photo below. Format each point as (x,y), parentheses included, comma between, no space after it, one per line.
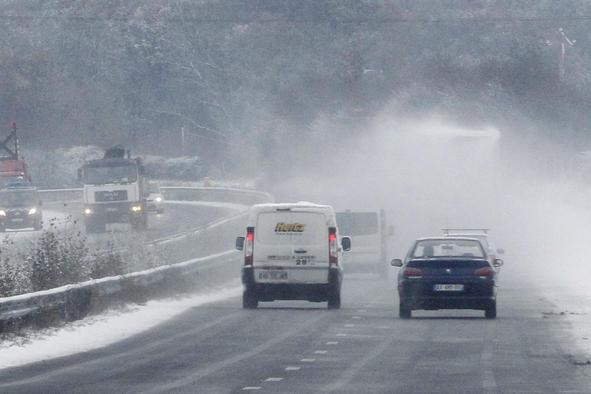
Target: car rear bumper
(421,295)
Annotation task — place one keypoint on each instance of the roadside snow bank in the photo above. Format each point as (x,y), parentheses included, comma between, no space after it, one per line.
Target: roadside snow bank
(98,331)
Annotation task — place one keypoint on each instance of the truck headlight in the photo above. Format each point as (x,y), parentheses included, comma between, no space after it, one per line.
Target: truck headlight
(32,211)
(2,212)
(136,208)
(158,199)
(87,211)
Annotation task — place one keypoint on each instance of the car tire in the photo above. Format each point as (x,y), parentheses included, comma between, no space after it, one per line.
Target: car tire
(249,300)
(334,300)
(491,311)
(404,312)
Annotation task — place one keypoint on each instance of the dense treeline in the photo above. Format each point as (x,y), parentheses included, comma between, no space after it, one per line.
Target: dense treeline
(221,74)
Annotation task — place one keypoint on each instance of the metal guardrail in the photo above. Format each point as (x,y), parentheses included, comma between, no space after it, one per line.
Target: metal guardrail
(72,302)
(180,193)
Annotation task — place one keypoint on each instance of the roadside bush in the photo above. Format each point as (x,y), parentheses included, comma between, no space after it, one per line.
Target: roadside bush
(14,272)
(109,263)
(57,258)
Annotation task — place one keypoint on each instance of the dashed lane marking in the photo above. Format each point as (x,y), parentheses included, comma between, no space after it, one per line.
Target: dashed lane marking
(356,317)
(251,388)
(340,334)
(273,379)
(293,368)
(349,325)
(332,343)
(308,360)
(321,352)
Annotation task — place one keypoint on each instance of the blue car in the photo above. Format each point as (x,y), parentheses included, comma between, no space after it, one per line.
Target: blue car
(447,273)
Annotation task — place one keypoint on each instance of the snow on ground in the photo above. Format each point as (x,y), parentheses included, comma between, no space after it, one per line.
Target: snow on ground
(104,329)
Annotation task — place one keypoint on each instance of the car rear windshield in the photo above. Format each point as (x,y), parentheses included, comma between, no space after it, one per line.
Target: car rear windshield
(447,248)
(357,223)
(291,228)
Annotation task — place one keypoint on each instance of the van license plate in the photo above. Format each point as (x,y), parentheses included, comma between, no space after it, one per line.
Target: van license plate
(273,275)
(448,287)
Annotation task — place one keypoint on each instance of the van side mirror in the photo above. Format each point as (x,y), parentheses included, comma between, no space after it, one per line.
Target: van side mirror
(498,263)
(240,243)
(396,263)
(346,243)
(500,251)
(390,231)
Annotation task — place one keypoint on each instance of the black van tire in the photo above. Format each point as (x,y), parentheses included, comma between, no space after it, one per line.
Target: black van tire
(334,300)
(249,300)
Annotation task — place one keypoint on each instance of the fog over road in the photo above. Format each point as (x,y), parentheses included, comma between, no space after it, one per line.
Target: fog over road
(301,347)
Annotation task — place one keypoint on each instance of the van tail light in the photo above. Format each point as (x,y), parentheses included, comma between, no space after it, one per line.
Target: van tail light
(485,272)
(411,272)
(249,246)
(333,257)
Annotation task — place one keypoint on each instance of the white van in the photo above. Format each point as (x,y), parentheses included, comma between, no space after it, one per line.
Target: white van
(369,233)
(291,252)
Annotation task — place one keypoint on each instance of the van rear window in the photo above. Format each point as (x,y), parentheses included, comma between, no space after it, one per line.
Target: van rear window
(287,228)
(357,223)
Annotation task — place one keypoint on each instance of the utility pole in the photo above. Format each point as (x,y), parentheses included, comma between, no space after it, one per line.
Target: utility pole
(564,43)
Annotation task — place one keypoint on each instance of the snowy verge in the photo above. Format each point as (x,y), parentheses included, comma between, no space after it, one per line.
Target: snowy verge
(104,329)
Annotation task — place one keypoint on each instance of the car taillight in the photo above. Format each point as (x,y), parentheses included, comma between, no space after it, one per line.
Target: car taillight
(333,257)
(485,272)
(412,272)
(249,246)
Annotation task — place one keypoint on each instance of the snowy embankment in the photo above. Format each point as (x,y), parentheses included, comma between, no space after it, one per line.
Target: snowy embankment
(94,332)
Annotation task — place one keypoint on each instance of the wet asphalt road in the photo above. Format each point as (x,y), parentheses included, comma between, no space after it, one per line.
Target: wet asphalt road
(299,347)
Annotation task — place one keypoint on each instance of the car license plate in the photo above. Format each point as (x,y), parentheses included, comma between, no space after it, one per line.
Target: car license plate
(111,209)
(448,287)
(18,220)
(273,275)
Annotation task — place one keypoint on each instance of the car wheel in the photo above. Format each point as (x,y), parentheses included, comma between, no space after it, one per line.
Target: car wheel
(334,300)
(404,311)
(491,311)
(249,300)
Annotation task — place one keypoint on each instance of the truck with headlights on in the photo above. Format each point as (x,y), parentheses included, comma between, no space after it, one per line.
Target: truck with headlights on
(115,190)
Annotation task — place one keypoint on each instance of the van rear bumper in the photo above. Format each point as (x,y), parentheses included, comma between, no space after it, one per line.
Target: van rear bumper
(315,292)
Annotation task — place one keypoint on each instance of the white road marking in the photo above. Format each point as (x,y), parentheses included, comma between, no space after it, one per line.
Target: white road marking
(308,360)
(273,379)
(321,352)
(340,334)
(293,368)
(356,317)
(349,325)
(250,388)
(362,310)
(332,343)
(489,383)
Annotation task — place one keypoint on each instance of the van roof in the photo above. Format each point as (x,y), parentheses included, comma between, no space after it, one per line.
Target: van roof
(299,205)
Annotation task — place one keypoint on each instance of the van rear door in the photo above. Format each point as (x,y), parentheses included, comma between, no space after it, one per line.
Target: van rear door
(291,246)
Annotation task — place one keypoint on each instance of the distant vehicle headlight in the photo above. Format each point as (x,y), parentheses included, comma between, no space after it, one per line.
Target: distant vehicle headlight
(2,212)
(32,211)
(158,199)
(87,211)
(136,208)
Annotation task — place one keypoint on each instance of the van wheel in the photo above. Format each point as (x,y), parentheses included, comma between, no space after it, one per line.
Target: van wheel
(334,301)
(249,300)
